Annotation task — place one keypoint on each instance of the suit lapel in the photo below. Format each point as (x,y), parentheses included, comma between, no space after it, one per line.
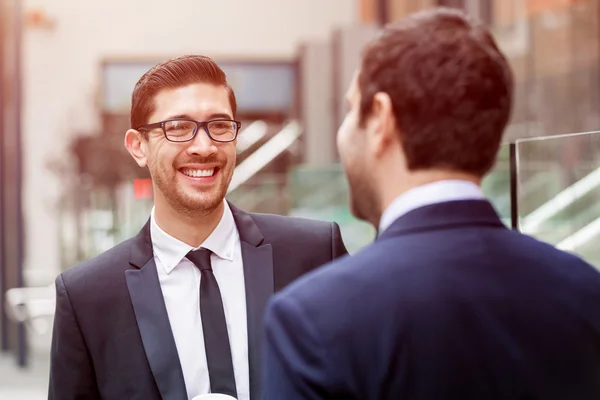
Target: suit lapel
(257,258)
(152,319)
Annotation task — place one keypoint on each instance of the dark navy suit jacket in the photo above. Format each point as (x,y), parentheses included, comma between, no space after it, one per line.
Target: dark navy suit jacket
(446,304)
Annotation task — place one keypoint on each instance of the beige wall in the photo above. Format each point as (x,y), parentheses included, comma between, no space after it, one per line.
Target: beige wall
(400,9)
(61,71)
(397,9)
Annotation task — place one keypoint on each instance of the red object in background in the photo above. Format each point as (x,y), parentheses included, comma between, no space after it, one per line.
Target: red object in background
(142,188)
(38,18)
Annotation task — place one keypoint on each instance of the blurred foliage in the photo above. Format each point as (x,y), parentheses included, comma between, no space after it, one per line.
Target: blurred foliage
(101,160)
(104,161)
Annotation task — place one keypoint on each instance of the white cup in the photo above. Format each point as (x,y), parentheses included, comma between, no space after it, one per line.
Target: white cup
(214,396)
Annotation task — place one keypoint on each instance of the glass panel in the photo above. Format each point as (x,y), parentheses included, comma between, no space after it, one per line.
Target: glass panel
(322,193)
(559,191)
(263,193)
(496,185)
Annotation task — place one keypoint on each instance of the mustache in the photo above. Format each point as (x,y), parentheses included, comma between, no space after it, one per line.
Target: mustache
(200,160)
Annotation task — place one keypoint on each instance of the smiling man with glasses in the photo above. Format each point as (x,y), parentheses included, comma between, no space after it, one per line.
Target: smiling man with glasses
(176,311)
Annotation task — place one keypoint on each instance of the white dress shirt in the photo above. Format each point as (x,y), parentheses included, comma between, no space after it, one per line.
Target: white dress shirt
(431,193)
(180,284)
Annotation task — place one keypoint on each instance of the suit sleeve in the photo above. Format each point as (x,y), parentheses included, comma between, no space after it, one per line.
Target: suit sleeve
(71,370)
(338,249)
(296,366)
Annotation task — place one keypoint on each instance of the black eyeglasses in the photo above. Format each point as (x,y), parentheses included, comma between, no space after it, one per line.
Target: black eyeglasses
(184,130)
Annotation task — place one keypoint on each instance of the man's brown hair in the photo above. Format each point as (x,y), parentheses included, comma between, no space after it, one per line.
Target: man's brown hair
(171,74)
(450,86)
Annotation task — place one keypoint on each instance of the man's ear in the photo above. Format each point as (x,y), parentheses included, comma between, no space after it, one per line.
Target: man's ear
(382,129)
(137,146)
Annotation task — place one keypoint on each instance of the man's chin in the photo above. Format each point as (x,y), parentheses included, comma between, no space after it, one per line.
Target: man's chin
(204,203)
(193,198)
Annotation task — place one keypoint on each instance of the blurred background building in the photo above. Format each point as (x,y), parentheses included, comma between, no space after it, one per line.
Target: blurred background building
(69,190)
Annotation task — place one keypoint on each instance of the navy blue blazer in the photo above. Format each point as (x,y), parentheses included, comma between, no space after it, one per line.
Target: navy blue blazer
(447,303)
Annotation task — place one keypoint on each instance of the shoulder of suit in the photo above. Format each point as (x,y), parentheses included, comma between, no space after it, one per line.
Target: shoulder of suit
(278,229)
(291,224)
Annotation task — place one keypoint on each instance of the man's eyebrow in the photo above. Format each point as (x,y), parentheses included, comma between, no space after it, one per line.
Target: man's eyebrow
(211,116)
(220,116)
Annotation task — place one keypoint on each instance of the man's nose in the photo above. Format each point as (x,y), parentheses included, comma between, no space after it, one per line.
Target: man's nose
(202,144)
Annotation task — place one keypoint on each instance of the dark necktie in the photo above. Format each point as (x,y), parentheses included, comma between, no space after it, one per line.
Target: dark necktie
(216,340)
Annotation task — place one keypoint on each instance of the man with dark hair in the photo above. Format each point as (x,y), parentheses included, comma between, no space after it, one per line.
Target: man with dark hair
(447,303)
(176,311)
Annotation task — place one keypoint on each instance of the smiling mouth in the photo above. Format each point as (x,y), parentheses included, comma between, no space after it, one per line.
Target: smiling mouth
(199,173)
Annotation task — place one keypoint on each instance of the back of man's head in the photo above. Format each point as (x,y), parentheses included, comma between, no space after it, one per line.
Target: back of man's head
(450,87)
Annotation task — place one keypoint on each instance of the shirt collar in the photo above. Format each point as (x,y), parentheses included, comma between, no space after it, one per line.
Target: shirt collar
(170,251)
(431,193)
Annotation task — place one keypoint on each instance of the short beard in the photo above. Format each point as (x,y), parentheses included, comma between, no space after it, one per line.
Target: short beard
(364,204)
(184,204)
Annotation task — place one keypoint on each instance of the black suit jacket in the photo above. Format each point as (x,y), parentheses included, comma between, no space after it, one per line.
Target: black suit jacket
(446,304)
(112,338)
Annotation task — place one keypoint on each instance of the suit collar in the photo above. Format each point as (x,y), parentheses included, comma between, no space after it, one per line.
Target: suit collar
(141,248)
(170,251)
(257,256)
(151,313)
(444,215)
(153,322)
(246,226)
(431,193)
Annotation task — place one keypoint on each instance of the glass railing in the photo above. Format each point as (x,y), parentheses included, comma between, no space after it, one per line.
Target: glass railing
(534,187)
(567,212)
(496,185)
(264,193)
(321,192)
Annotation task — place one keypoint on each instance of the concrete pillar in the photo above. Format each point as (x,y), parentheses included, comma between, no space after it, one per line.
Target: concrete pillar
(317,113)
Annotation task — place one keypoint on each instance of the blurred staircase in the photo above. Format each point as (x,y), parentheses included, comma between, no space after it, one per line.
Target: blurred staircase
(259,182)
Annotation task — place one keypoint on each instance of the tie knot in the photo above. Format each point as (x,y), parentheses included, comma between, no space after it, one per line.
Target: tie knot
(200,258)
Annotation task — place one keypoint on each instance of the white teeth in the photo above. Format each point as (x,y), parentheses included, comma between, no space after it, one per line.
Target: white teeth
(198,173)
